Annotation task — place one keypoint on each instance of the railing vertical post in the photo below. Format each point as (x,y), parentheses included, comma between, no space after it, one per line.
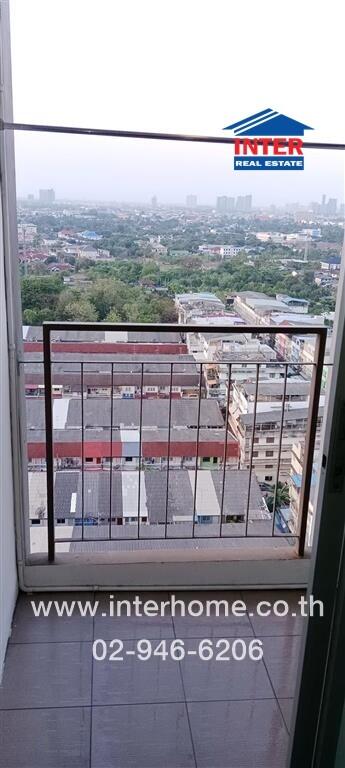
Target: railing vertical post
(197,453)
(252,447)
(281,433)
(82,447)
(111,446)
(49,441)
(225,448)
(140,444)
(314,397)
(168,453)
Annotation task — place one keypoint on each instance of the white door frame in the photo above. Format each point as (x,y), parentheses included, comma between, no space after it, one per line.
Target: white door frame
(321,686)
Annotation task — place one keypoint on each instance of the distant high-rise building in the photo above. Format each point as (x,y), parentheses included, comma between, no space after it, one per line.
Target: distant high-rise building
(248,203)
(191,201)
(315,207)
(46,195)
(154,201)
(342,209)
(225,204)
(323,204)
(222,204)
(331,207)
(31,197)
(244,204)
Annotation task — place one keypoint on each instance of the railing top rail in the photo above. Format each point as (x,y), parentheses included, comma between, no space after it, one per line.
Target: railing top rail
(297,330)
(43,128)
(206,362)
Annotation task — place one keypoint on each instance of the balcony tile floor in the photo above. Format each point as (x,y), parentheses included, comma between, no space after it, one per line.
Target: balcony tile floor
(59,707)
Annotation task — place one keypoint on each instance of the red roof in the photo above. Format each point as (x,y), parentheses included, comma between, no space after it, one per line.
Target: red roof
(100,449)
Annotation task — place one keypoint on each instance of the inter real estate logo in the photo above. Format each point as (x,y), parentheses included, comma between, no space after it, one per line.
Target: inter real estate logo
(275,146)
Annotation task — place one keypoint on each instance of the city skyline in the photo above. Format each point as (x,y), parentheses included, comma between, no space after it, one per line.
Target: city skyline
(110,168)
(113,76)
(317,207)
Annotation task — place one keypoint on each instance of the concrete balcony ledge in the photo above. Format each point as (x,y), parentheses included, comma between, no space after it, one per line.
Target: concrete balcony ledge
(172,567)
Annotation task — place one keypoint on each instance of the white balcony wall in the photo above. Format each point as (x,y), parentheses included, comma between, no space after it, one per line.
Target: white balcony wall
(8,571)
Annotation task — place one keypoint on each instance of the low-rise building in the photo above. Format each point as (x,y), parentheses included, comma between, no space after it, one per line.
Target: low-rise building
(237,354)
(197,304)
(259,309)
(27,233)
(331,264)
(256,308)
(86,500)
(267,412)
(223,251)
(295,485)
(300,306)
(130,375)
(117,434)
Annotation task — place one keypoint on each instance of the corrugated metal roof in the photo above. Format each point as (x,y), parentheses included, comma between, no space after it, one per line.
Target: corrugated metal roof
(153,494)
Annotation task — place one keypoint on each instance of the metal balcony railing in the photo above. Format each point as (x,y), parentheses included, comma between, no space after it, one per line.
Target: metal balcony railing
(193,480)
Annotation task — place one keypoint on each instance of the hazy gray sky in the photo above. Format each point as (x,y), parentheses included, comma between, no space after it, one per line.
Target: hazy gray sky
(189,66)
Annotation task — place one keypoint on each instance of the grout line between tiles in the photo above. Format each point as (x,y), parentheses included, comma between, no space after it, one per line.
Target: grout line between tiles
(269,676)
(185,700)
(92,668)
(138,704)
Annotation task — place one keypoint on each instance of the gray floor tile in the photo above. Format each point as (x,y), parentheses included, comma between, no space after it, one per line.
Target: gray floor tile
(215,680)
(132,627)
(26,628)
(47,675)
(140,718)
(132,681)
(141,736)
(213,625)
(286,706)
(238,734)
(275,625)
(45,738)
(281,656)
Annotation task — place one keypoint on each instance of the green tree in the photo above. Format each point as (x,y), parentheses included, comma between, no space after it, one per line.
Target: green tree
(282,497)
(81,310)
(41,294)
(108,294)
(37,316)
(113,317)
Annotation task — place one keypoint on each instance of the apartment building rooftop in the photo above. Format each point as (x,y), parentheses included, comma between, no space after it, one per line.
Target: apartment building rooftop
(292,414)
(226,318)
(242,353)
(156,444)
(153,487)
(96,380)
(184,413)
(35,333)
(98,363)
(204,296)
(274,387)
(289,318)
(293,300)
